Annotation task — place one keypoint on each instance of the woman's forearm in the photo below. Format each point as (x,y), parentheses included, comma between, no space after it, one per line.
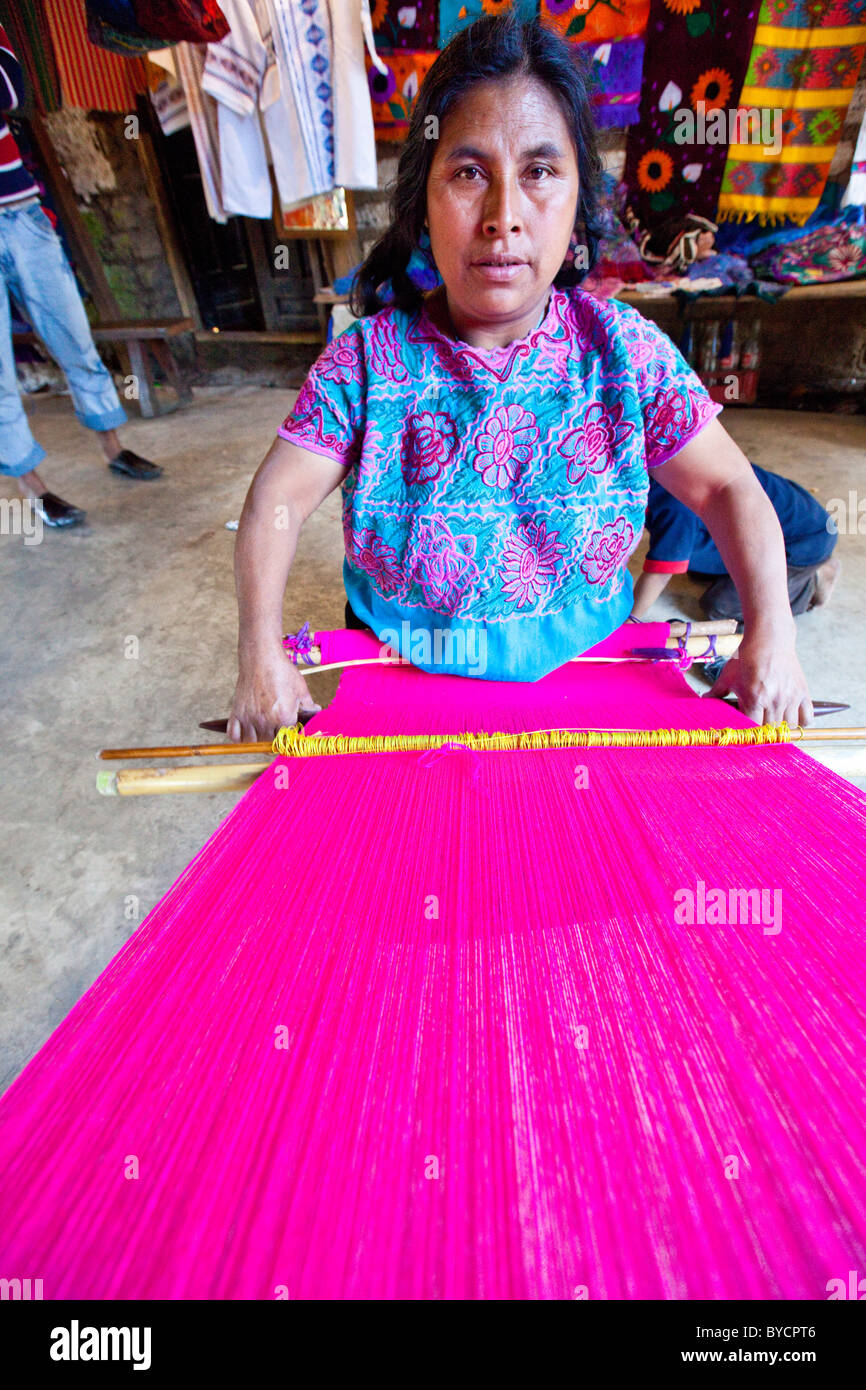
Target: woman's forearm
(741,520)
(712,476)
(265,548)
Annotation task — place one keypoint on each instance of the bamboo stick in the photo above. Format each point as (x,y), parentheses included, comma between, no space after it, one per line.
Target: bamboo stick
(697,647)
(705,628)
(145,781)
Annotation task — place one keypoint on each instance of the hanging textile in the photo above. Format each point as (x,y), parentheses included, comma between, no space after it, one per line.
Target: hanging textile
(625,19)
(692,55)
(320,129)
(183,21)
(304,52)
(233,75)
(90,78)
(30,35)
(406,54)
(855,191)
(190,58)
(804,62)
(398,25)
(166,92)
(111,25)
(119,13)
(615,70)
(356,140)
(545,1024)
(393,92)
(848,163)
(457,14)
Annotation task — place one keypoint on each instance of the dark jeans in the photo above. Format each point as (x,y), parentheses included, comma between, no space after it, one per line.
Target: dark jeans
(721,600)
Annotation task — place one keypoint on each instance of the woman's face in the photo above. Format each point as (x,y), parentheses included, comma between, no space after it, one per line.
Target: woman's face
(503,182)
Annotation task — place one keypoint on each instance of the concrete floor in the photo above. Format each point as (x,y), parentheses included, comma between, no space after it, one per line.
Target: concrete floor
(154,562)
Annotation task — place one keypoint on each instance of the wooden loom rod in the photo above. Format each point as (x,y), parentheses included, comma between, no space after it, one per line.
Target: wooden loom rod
(189,750)
(240,776)
(266,748)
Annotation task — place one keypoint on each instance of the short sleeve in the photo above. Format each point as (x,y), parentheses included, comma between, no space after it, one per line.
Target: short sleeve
(329,415)
(674,401)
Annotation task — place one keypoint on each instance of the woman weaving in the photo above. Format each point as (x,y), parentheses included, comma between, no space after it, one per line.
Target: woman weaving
(493,439)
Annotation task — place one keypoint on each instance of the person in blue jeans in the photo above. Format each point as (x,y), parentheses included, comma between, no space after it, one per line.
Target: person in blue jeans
(680,543)
(35,270)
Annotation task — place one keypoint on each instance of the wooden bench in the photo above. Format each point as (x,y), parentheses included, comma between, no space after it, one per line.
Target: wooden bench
(140,338)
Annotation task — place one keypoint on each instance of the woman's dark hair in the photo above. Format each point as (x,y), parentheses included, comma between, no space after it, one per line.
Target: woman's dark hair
(494,46)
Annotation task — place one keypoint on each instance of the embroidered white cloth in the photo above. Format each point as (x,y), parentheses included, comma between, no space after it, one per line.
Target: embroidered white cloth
(320,129)
(234,72)
(190,59)
(856,190)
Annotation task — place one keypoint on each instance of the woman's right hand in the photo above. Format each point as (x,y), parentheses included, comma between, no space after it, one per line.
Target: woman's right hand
(269,692)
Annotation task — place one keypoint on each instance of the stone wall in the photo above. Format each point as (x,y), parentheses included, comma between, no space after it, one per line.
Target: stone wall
(105,171)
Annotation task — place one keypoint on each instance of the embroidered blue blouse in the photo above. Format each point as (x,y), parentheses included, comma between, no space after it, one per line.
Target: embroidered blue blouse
(493,496)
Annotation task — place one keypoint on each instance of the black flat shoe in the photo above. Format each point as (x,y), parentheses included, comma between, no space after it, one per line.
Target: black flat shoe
(55,512)
(133,466)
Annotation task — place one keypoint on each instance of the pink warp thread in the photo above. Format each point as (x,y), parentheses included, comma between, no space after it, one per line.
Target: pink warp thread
(473,1051)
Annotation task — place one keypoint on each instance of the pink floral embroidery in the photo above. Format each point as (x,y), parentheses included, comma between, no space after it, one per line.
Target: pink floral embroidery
(306,425)
(506,445)
(592,448)
(641,348)
(442,564)
(385,349)
(304,402)
(642,352)
(347,529)
(341,361)
(606,550)
(429,442)
(377,559)
(704,409)
(588,323)
(667,418)
(530,562)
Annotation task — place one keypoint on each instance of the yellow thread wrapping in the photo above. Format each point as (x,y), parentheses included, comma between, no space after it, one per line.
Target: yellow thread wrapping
(296,744)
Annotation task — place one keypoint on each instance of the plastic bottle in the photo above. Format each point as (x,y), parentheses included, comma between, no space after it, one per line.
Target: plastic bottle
(750,355)
(710,349)
(729,354)
(687,343)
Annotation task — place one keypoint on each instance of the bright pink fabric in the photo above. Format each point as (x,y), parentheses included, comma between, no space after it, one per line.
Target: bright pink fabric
(345,644)
(433,933)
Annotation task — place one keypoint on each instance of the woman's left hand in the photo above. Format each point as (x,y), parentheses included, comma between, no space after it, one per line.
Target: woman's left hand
(769,683)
